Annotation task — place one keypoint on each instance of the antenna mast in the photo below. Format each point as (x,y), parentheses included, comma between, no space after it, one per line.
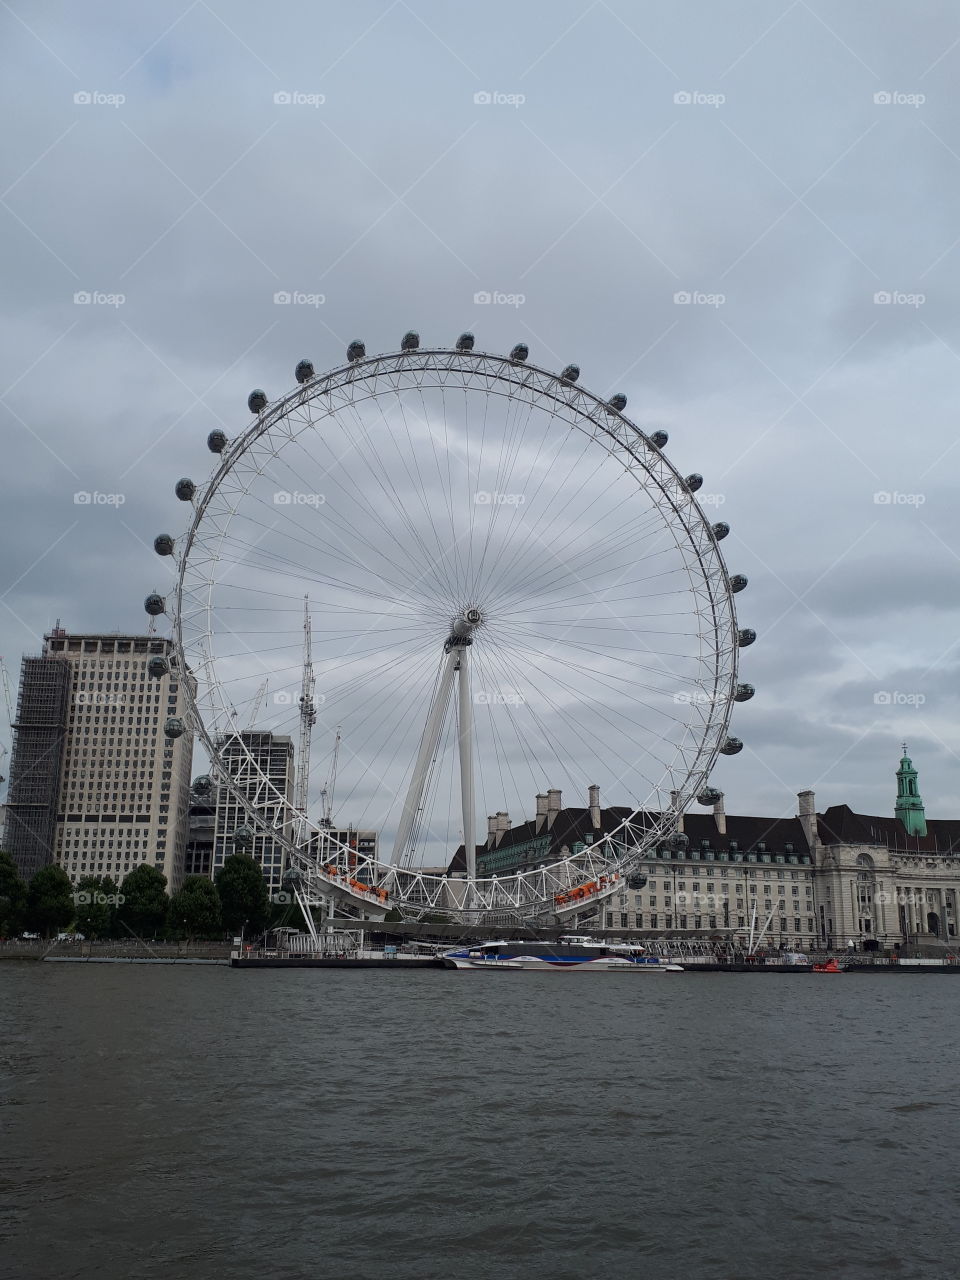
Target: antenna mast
(308,718)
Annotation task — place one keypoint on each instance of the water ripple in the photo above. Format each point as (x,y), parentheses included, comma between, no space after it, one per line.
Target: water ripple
(164,1123)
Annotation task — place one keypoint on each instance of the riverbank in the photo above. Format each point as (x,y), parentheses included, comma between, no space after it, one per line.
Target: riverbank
(114,951)
(224,953)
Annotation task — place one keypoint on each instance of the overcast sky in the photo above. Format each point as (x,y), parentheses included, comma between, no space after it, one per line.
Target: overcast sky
(791,170)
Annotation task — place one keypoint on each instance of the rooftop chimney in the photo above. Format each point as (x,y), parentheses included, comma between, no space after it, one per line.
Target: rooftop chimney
(807,813)
(501,825)
(720,816)
(553,805)
(491,830)
(594,801)
(541,811)
(674,800)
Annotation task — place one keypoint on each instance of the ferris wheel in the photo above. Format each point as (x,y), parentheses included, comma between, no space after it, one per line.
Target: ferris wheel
(501,594)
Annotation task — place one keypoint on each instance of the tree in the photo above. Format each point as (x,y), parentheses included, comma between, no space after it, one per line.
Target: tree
(97,899)
(196,908)
(50,900)
(243,893)
(13,897)
(285,909)
(144,902)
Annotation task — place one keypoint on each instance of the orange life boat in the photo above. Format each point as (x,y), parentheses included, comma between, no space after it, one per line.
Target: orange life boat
(830,967)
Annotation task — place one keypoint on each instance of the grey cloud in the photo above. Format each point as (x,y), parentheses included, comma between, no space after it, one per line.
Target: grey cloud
(295,206)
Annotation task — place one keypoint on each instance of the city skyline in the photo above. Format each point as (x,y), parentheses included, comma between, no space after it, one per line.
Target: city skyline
(263,724)
(91,753)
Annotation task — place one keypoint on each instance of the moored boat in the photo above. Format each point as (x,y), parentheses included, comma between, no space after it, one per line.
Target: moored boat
(571,954)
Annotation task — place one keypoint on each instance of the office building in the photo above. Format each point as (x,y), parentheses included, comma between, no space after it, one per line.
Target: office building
(94,784)
(258,765)
(201,826)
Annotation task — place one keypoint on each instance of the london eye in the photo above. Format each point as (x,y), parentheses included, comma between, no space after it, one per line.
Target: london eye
(497,584)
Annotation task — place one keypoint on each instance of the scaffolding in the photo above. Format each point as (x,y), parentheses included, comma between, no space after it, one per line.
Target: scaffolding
(35,764)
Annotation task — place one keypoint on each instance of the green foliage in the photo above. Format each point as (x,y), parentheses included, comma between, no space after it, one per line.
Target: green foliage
(243,894)
(96,899)
(195,909)
(50,900)
(13,897)
(145,902)
(283,913)
(285,910)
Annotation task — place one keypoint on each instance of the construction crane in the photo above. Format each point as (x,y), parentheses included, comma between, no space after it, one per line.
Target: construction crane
(8,702)
(257,701)
(308,718)
(326,793)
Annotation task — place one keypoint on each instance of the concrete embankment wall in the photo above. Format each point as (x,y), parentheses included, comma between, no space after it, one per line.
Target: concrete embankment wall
(114,951)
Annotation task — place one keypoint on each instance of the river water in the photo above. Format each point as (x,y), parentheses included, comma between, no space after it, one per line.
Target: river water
(164,1122)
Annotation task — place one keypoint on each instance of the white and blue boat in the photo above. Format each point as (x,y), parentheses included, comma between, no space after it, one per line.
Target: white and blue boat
(571,953)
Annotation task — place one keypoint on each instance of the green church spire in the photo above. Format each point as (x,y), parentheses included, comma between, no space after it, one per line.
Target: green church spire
(909,802)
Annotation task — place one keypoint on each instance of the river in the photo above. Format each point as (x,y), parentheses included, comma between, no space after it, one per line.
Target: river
(168,1122)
